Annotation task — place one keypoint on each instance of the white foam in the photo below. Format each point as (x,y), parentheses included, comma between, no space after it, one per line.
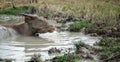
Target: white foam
(6,33)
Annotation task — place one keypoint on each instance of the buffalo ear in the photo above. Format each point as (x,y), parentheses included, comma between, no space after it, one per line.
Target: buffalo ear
(29,17)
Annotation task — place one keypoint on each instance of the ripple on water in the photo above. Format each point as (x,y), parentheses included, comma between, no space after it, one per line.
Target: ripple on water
(27,46)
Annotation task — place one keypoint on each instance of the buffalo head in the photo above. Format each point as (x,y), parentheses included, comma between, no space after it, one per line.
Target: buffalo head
(38,24)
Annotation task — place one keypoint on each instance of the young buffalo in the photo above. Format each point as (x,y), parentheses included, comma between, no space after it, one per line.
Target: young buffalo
(33,24)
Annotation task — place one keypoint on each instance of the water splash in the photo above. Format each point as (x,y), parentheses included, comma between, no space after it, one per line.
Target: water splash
(7,33)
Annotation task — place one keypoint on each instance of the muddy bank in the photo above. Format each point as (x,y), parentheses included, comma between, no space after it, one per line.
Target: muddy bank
(83,52)
(110,49)
(109,41)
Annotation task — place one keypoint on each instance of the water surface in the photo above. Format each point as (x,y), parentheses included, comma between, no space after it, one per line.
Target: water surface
(21,48)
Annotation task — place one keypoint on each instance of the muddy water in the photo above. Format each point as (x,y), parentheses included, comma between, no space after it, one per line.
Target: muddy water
(21,48)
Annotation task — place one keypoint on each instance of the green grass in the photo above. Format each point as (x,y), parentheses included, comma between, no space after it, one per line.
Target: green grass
(70,57)
(94,9)
(103,10)
(73,57)
(45,12)
(78,45)
(35,58)
(13,11)
(110,46)
(77,26)
(64,58)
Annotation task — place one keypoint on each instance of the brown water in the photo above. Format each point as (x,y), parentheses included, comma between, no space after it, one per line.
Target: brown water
(21,48)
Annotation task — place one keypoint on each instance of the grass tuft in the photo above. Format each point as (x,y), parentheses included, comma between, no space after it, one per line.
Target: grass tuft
(77,26)
(13,11)
(110,46)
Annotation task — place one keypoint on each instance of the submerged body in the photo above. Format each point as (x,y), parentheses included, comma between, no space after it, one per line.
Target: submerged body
(32,25)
